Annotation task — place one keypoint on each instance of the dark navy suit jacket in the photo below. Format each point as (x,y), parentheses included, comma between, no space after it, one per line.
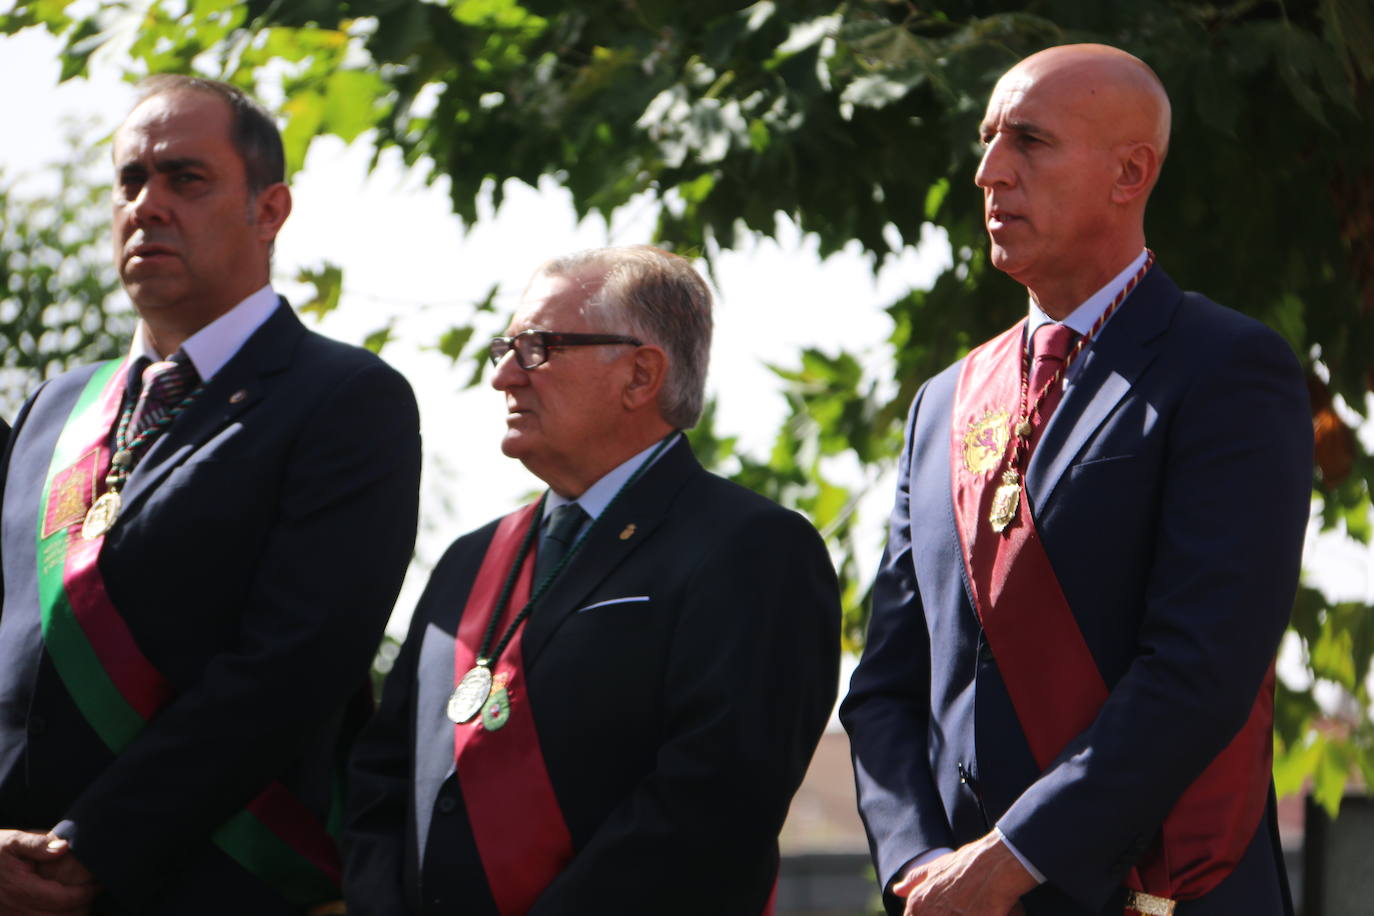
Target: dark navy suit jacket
(675,730)
(262,543)
(1171,489)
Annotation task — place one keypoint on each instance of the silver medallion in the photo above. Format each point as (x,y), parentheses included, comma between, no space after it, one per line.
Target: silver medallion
(472,691)
(102,515)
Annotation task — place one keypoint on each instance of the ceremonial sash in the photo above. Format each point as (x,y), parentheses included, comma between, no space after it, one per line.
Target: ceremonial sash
(1051,676)
(114,686)
(516,821)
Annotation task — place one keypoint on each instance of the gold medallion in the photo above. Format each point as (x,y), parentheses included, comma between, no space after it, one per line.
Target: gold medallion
(985,441)
(1006,501)
(102,515)
(472,691)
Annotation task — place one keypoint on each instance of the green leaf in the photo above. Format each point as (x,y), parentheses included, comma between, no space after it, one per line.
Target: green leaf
(305,113)
(328,283)
(452,341)
(378,338)
(1294,766)
(1331,775)
(349,103)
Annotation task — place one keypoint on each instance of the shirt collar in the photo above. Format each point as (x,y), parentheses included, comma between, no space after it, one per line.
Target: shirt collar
(1082,318)
(216,343)
(600,494)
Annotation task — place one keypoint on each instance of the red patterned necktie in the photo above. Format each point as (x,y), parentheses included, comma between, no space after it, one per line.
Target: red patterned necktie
(165,383)
(1049,347)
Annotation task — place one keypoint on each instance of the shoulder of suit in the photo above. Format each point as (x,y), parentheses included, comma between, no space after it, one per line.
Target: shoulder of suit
(335,352)
(716,502)
(68,383)
(1211,325)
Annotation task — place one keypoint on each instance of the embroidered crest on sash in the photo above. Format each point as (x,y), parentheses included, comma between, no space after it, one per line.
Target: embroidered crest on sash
(985,441)
(71,494)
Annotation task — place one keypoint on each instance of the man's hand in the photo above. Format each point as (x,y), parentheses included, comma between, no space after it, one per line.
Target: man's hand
(34,870)
(980,879)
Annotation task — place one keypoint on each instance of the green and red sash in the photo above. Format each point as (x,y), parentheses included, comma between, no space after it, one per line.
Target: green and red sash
(1027,621)
(516,819)
(114,686)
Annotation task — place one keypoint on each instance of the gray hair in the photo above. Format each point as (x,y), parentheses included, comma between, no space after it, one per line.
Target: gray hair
(659,297)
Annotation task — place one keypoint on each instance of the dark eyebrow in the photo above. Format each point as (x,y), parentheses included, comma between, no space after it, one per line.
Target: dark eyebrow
(1030,128)
(164,166)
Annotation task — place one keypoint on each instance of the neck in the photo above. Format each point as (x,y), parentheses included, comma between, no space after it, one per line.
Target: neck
(1058,296)
(165,341)
(571,482)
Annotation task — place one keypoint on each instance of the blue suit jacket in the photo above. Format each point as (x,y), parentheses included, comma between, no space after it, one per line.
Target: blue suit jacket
(1171,489)
(262,543)
(675,729)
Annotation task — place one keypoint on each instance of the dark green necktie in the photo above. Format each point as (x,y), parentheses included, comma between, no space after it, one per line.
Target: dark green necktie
(564,523)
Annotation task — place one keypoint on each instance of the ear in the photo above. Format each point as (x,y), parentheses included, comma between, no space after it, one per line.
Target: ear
(647,374)
(271,207)
(1139,168)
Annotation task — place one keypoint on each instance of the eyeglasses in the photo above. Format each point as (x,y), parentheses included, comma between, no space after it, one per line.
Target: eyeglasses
(532,347)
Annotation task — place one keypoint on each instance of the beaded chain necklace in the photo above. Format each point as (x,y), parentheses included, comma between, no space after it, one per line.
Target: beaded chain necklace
(1007,499)
(104,512)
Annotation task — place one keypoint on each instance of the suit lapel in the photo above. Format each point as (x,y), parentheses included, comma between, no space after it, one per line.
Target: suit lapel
(645,506)
(1112,365)
(240,383)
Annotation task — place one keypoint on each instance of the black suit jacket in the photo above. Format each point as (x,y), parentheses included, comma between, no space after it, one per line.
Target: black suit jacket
(675,730)
(261,545)
(1171,489)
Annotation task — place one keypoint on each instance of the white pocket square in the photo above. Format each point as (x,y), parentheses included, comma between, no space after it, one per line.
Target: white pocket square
(635,599)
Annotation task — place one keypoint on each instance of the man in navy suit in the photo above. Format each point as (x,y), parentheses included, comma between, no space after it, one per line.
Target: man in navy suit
(607,698)
(1065,702)
(202,544)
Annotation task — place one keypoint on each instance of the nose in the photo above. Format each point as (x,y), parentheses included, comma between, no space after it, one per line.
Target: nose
(149,205)
(508,373)
(994,169)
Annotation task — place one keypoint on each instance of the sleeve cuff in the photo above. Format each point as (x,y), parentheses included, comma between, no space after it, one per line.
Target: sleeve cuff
(1025,863)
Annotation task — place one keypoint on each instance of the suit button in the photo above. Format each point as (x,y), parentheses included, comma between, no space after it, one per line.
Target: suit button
(447,804)
(38,726)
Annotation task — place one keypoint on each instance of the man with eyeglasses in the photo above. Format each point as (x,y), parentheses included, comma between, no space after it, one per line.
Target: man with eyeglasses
(608,697)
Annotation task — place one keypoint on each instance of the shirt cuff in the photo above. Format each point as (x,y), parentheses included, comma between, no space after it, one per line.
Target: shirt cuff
(1026,863)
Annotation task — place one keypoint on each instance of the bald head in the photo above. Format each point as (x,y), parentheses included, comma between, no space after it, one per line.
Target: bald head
(1115,91)
(1073,139)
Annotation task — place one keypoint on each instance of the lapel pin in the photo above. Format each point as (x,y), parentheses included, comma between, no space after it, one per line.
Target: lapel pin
(628,533)
(238,396)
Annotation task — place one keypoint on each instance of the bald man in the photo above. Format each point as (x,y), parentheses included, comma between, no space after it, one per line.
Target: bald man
(1065,704)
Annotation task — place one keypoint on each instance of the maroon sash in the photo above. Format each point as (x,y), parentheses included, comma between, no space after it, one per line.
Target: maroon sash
(516,821)
(1027,620)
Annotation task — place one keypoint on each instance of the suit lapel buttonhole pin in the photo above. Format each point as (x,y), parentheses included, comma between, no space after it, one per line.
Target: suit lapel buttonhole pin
(628,533)
(238,396)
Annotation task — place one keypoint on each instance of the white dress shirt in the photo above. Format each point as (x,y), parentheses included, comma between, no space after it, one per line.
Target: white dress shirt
(1082,318)
(216,343)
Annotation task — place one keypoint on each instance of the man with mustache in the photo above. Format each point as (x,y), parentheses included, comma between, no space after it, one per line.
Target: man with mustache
(201,545)
(1065,703)
(608,697)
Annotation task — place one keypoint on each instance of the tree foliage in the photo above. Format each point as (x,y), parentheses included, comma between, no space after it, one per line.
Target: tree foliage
(57,280)
(857,120)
